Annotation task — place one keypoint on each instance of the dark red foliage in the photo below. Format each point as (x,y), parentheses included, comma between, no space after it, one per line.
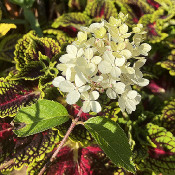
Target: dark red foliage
(84,161)
(151,28)
(154,4)
(73,111)
(158,153)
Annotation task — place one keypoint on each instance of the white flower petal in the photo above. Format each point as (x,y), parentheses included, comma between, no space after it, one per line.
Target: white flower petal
(97,78)
(66,58)
(80,52)
(126,53)
(71,50)
(111,94)
(85,95)
(80,79)
(91,69)
(68,74)
(96,59)
(61,67)
(66,86)
(105,67)
(93,95)
(84,88)
(143,82)
(108,57)
(138,99)
(123,29)
(86,106)
(130,105)
(139,63)
(95,106)
(121,102)
(72,97)
(82,36)
(119,87)
(88,53)
(132,94)
(119,61)
(115,72)
(57,81)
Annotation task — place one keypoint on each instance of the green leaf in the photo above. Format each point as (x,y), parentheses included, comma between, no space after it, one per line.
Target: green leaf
(23,3)
(39,117)
(112,139)
(30,17)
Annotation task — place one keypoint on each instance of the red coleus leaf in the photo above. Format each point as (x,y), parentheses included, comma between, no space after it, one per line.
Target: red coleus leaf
(14,95)
(155,88)
(82,161)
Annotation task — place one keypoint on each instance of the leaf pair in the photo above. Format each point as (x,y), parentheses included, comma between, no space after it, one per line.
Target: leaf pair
(46,114)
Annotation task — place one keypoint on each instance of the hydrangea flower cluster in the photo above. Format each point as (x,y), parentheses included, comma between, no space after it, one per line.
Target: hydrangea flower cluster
(106,58)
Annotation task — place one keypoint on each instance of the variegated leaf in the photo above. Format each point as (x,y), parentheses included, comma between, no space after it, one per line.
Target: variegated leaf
(161,151)
(15,94)
(153,29)
(101,9)
(169,64)
(30,47)
(4,28)
(32,71)
(74,160)
(70,22)
(7,47)
(168,116)
(26,151)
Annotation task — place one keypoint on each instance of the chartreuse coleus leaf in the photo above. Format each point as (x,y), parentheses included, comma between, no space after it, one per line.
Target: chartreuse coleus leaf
(4,28)
(160,151)
(112,139)
(71,20)
(169,64)
(43,115)
(61,37)
(30,48)
(168,116)
(153,29)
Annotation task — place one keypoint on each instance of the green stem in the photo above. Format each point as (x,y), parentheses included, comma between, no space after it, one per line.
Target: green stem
(29,16)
